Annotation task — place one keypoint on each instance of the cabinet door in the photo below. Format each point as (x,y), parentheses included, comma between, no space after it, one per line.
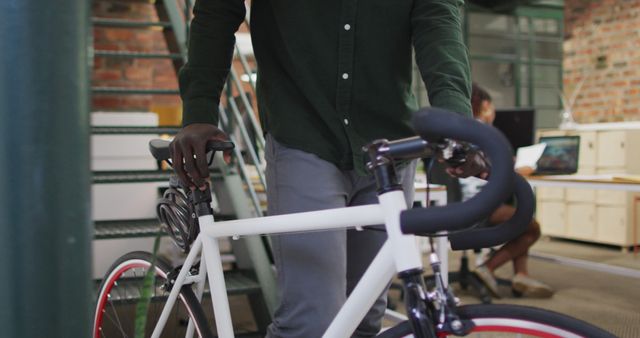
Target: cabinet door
(587,156)
(611,150)
(612,225)
(581,195)
(551,216)
(581,220)
(550,193)
(611,197)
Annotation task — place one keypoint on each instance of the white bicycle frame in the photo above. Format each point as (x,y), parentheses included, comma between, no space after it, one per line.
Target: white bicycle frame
(399,253)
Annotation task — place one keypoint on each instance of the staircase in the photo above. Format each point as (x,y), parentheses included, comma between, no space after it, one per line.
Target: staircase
(138,48)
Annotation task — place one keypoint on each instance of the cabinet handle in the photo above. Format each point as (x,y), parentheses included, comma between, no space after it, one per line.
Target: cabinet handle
(621,144)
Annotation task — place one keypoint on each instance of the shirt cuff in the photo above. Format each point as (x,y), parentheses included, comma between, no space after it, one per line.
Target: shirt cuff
(200,110)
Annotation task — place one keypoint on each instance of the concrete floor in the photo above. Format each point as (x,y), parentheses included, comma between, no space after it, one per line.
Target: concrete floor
(610,301)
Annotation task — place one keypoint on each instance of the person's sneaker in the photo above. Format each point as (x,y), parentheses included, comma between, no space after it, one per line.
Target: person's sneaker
(530,287)
(487,278)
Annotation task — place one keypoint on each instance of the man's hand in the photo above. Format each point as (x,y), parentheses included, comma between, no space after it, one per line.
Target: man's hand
(189,156)
(475,164)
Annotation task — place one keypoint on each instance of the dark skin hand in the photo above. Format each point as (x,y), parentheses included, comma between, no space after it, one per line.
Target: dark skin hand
(188,153)
(475,165)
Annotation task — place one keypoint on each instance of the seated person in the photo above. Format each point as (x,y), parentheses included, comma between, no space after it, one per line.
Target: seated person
(517,249)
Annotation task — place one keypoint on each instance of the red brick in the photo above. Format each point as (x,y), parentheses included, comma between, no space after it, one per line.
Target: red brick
(136,74)
(141,102)
(104,75)
(166,100)
(106,46)
(108,102)
(98,63)
(119,34)
(118,63)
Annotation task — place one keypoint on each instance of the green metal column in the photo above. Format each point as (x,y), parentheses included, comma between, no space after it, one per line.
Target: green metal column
(45,224)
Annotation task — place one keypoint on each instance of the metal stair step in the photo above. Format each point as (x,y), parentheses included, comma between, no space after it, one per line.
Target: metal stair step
(133,91)
(108,22)
(102,177)
(135,130)
(126,229)
(135,228)
(137,55)
(238,282)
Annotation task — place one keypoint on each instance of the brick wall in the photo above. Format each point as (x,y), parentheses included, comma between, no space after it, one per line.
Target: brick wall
(129,72)
(137,73)
(602,50)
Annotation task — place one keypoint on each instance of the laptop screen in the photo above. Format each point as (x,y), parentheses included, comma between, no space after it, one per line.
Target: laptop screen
(560,155)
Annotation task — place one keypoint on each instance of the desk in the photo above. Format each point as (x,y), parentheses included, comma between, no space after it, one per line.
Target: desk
(606,182)
(606,217)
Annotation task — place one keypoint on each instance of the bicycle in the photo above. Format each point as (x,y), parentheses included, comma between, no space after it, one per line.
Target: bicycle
(431,313)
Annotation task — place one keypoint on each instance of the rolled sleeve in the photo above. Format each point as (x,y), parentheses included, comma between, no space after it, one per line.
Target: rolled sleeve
(211,42)
(441,54)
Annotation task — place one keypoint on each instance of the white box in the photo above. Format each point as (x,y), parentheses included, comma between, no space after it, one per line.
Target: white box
(122,152)
(125,151)
(128,119)
(123,201)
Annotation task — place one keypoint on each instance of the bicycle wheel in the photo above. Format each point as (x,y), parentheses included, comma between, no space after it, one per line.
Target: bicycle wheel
(119,293)
(501,320)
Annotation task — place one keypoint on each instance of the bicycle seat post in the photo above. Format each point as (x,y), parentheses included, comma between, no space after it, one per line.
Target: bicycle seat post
(202,201)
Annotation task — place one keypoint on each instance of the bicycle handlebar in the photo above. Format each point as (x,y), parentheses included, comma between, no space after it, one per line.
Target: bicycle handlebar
(432,124)
(501,233)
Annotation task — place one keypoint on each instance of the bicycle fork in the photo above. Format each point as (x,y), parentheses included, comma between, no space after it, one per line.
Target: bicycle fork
(416,304)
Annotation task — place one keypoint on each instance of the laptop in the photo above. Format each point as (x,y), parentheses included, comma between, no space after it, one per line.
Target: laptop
(560,156)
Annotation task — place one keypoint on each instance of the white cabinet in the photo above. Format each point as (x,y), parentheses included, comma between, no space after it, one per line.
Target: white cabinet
(587,155)
(580,195)
(581,221)
(612,224)
(615,151)
(551,216)
(602,216)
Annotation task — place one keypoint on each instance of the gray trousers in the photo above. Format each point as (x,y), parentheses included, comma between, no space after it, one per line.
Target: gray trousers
(316,271)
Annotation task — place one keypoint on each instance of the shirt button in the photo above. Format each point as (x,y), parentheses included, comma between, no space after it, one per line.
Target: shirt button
(347,27)
(345,76)
(346,122)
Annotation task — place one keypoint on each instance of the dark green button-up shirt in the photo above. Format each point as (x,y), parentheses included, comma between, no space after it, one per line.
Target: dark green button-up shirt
(332,74)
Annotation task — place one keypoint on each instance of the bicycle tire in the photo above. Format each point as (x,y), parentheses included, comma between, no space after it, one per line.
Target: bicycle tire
(503,320)
(118,294)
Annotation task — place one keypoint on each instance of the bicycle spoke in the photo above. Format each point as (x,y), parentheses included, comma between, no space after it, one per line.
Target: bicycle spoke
(118,325)
(116,313)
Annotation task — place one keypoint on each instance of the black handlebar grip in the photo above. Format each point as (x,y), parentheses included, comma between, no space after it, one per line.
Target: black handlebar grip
(159,148)
(504,232)
(409,148)
(433,123)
